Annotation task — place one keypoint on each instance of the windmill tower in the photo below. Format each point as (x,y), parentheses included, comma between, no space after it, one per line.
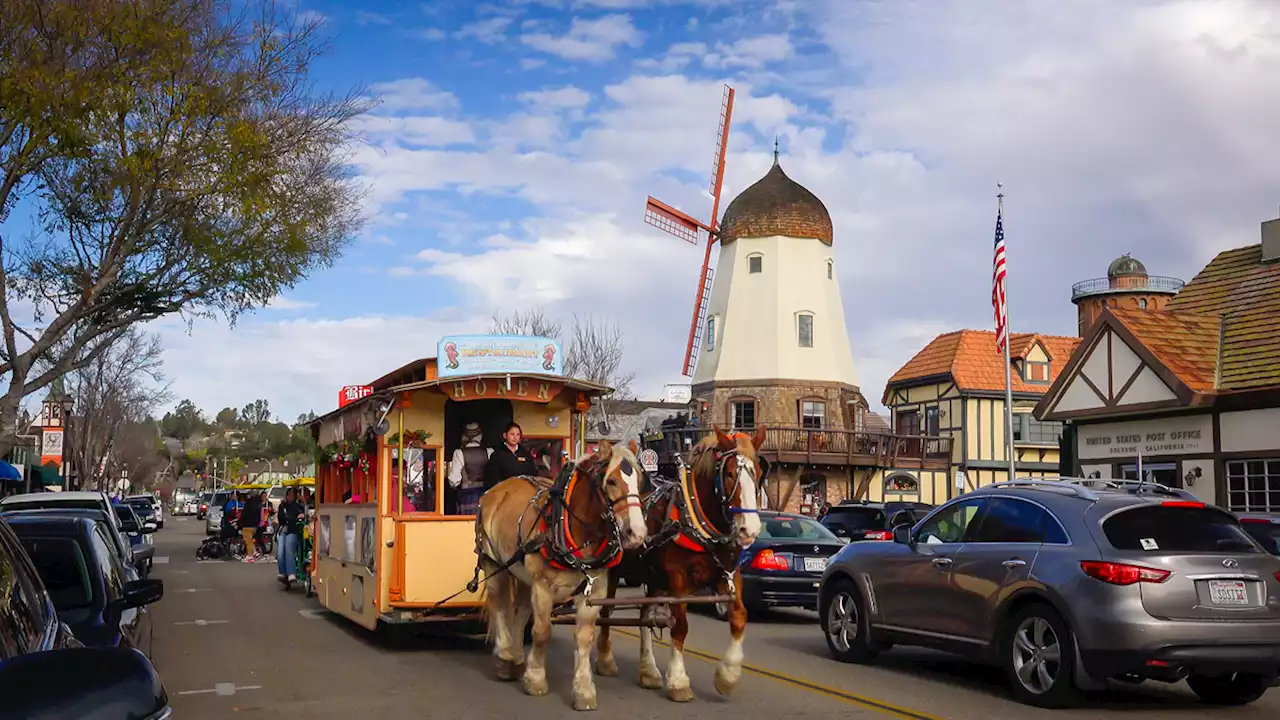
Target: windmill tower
(768,343)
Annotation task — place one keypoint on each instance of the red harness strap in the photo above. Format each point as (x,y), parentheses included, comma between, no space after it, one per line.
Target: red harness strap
(574,548)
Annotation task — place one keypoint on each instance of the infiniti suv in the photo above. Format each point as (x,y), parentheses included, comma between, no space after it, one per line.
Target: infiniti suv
(1067,583)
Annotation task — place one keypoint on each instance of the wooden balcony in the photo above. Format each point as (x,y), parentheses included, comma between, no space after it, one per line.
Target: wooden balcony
(836,448)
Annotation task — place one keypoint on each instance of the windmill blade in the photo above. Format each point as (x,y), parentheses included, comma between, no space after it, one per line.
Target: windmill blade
(672,221)
(722,145)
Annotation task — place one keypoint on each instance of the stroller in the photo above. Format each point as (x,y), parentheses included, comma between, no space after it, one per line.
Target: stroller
(221,547)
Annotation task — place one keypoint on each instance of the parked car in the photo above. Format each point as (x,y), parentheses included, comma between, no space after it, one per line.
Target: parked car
(203,507)
(1065,586)
(854,520)
(213,518)
(79,499)
(110,683)
(1263,528)
(89,587)
(784,565)
(28,619)
(157,508)
(190,505)
(119,540)
(139,534)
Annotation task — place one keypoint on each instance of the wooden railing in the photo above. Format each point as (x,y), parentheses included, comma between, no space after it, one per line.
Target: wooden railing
(847,447)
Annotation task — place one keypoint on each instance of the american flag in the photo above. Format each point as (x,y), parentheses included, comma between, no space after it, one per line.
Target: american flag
(997,286)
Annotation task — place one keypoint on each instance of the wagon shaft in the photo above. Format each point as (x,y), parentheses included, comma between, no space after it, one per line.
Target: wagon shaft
(639,602)
(665,621)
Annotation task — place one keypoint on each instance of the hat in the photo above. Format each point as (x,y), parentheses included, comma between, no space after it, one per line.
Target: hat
(470,432)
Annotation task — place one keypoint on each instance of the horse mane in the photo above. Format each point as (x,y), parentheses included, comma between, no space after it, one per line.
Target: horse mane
(702,459)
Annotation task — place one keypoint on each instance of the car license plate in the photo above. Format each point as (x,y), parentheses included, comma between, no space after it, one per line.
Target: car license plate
(1228,592)
(815,564)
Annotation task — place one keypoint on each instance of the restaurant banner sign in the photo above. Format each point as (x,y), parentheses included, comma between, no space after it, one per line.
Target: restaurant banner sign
(462,355)
(1167,436)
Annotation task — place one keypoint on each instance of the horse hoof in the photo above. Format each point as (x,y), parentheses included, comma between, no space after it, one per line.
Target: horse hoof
(585,702)
(651,682)
(607,668)
(506,669)
(724,685)
(535,688)
(680,694)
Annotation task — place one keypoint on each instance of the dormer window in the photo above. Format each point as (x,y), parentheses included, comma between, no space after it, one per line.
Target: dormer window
(1036,372)
(755,264)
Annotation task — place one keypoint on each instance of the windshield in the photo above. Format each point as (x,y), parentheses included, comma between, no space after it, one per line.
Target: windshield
(277,493)
(794,528)
(65,572)
(142,507)
(219,499)
(1265,532)
(855,518)
(128,520)
(1172,528)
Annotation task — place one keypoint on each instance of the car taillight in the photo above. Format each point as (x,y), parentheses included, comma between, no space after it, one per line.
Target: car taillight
(1255,521)
(878,535)
(1122,574)
(769,560)
(1182,504)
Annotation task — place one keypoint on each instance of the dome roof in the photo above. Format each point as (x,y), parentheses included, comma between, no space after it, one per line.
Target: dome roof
(776,205)
(1126,266)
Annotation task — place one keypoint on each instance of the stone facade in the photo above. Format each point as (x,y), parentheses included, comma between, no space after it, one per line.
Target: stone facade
(778,402)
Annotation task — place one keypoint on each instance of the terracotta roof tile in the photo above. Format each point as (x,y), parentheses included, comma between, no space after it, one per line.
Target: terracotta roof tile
(1245,292)
(1185,343)
(969,357)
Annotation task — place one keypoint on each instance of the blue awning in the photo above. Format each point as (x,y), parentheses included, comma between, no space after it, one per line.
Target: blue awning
(9,472)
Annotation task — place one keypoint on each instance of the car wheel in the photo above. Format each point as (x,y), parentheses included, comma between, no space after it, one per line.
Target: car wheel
(844,623)
(1237,689)
(1039,658)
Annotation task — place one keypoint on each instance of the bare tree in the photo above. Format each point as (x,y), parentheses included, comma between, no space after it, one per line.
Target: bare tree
(174,158)
(529,322)
(119,387)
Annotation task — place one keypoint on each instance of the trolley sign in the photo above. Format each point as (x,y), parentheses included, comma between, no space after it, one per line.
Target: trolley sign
(648,460)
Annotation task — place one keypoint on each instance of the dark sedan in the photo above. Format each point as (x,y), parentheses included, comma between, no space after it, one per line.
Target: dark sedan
(87,582)
(855,521)
(784,566)
(119,543)
(139,534)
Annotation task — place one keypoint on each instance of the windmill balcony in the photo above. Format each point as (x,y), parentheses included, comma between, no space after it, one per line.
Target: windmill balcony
(828,447)
(1126,284)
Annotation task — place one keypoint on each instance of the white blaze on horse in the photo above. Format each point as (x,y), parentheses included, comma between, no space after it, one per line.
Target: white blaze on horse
(698,529)
(556,542)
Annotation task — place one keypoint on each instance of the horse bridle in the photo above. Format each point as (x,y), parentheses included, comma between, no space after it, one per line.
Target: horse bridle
(723,495)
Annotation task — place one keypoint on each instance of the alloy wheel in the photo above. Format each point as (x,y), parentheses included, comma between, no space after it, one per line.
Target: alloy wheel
(842,621)
(1037,655)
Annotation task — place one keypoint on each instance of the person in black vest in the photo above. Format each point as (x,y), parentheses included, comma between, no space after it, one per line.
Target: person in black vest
(509,459)
(467,469)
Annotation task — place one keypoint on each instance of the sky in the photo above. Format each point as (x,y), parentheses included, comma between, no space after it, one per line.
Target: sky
(507,162)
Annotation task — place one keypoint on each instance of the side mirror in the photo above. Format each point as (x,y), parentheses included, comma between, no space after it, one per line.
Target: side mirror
(902,534)
(119,682)
(138,593)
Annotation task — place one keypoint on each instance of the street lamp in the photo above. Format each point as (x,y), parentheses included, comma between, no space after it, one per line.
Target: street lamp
(124,479)
(67,404)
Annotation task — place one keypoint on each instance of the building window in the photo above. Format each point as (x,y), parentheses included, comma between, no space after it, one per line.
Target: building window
(1027,429)
(744,414)
(1037,372)
(711,333)
(755,263)
(830,272)
(1253,485)
(908,422)
(812,414)
(804,328)
(932,421)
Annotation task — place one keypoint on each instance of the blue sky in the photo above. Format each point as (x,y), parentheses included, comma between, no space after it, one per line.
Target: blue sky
(514,143)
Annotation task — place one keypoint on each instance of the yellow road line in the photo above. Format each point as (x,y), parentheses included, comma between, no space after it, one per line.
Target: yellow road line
(843,695)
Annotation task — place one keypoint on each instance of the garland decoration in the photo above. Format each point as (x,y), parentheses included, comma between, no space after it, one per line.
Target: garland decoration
(415,439)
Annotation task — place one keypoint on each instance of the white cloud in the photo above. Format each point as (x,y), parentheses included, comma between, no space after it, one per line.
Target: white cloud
(750,52)
(281,302)
(488,31)
(431,34)
(594,39)
(427,131)
(554,99)
(364,17)
(413,93)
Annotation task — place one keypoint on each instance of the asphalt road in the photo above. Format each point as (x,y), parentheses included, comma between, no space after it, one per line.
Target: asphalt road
(229,641)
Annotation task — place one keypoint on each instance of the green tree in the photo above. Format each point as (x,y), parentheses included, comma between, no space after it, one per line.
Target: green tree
(227,418)
(185,421)
(255,413)
(173,157)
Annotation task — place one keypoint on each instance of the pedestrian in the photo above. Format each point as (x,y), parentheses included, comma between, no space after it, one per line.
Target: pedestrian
(260,537)
(250,516)
(289,521)
(509,459)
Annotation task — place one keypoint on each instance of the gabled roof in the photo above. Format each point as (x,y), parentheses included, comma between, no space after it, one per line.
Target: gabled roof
(969,359)
(1185,343)
(1238,286)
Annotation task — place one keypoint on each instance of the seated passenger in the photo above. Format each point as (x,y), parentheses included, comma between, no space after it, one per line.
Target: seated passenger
(467,469)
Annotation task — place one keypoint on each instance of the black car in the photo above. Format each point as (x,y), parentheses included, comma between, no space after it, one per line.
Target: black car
(139,534)
(121,545)
(28,620)
(145,510)
(872,520)
(1263,528)
(784,566)
(89,586)
(83,683)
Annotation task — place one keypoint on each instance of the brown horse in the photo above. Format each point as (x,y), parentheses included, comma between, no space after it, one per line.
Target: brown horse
(543,543)
(701,526)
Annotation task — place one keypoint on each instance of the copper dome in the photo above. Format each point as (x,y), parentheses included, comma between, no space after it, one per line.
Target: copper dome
(776,205)
(1125,266)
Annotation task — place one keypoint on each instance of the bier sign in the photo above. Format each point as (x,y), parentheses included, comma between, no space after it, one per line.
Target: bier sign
(352,393)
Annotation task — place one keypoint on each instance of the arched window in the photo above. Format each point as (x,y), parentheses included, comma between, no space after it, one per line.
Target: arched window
(830,271)
(804,329)
(711,333)
(1142,303)
(755,263)
(901,484)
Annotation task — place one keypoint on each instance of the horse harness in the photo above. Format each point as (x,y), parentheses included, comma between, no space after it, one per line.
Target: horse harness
(685,522)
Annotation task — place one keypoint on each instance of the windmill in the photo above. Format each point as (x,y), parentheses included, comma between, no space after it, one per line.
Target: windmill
(683,226)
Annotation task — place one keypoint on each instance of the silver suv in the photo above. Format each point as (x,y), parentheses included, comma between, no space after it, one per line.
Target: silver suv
(1066,583)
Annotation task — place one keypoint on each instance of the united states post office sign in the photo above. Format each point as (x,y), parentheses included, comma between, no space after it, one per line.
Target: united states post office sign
(1166,436)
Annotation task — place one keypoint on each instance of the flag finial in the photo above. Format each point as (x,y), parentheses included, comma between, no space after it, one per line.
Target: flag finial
(775,149)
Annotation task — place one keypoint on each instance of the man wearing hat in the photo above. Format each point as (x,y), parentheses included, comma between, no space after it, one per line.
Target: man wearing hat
(466,469)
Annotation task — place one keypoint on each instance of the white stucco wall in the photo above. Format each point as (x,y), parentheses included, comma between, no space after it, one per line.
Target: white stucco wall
(756,315)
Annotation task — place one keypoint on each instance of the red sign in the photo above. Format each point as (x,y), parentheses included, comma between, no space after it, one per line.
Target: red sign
(352,393)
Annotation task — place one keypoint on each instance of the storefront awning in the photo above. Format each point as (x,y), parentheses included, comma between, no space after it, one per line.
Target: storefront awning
(45,475)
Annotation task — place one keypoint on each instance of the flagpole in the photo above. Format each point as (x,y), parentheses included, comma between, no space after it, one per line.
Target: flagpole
(1008,367)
